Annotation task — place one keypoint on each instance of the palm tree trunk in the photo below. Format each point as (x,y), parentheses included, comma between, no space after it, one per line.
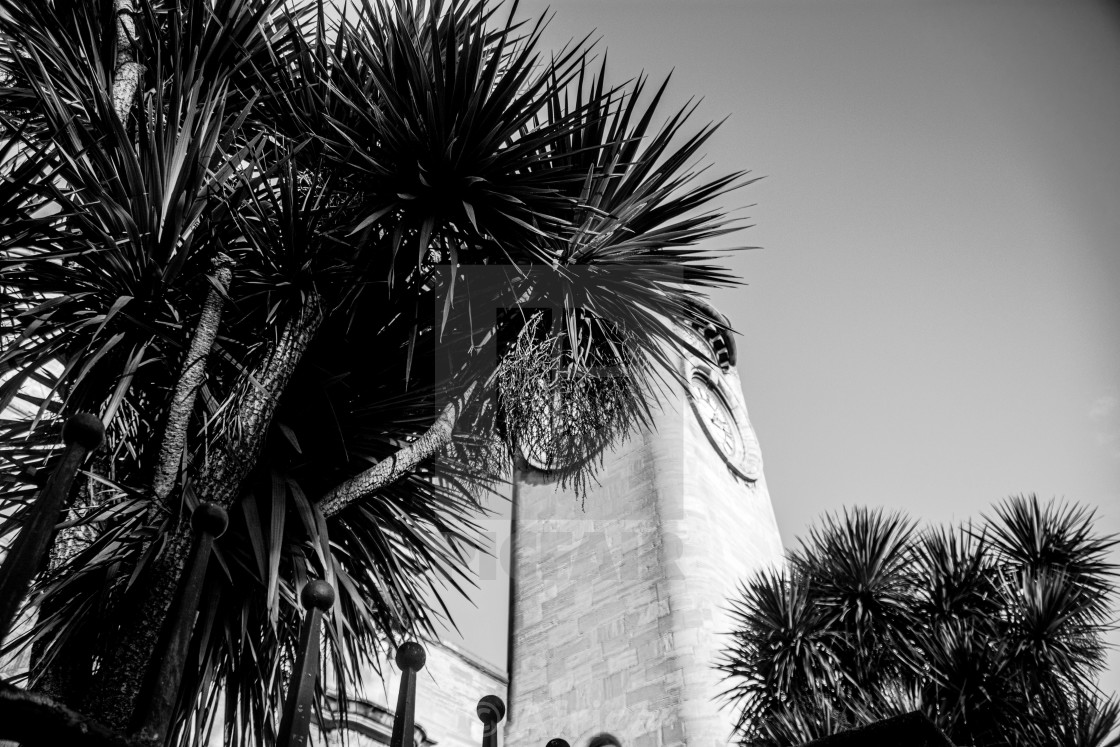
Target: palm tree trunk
(117,685)
(126,70)
(220,480)
(190,380)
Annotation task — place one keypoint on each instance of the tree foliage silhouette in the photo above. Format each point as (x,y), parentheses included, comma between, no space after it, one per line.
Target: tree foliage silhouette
(248,235)
(995,631)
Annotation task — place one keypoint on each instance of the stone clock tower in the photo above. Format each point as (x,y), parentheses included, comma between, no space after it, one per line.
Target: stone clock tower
(618,602)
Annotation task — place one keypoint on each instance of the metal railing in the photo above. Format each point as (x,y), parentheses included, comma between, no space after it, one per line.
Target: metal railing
(491,709)
(46,723)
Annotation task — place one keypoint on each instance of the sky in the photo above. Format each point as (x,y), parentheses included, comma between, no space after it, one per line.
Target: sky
(932,320)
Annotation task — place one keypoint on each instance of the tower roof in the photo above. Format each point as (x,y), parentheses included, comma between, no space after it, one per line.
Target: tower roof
(715,328)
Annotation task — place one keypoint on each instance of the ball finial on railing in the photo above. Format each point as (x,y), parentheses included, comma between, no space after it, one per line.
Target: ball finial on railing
(490,709)
(558,742)
(84,429)
(210,518)
(317,594)
(411,655)
(604,740)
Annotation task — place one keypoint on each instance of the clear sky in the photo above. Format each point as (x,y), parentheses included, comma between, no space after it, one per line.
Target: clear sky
(932,321)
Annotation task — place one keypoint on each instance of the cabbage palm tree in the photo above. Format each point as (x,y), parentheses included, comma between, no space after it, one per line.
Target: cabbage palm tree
(995,632)
(258,243)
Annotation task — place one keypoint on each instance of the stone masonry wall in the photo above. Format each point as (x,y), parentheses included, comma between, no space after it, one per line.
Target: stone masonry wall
(619,603)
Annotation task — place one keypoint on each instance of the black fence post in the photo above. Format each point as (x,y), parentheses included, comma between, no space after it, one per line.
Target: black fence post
(317,597)
(490,710)
(82,434)
(209,521)
(411,659)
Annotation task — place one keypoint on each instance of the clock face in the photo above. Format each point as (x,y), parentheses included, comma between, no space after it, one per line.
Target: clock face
(733,439)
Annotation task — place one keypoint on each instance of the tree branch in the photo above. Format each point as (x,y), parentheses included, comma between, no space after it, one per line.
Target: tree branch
(126,70)
(190,380)
(393,468)
(258,393)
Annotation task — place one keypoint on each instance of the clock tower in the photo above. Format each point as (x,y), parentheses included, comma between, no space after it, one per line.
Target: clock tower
(619,601)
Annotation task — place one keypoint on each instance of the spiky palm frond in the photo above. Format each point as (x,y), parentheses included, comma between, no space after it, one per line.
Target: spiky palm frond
(99,297)
(963,676)
(860,567)
(434,120)
(800,721)
(961,575)
(965,685)
(998,635)
(1056,537)
(638,195)
(455,127)
(1090,720)
(639,210)
(832,639)
(1050,639)
(782,654)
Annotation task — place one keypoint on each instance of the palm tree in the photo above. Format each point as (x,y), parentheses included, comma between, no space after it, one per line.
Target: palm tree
(264,267)
(994,632)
